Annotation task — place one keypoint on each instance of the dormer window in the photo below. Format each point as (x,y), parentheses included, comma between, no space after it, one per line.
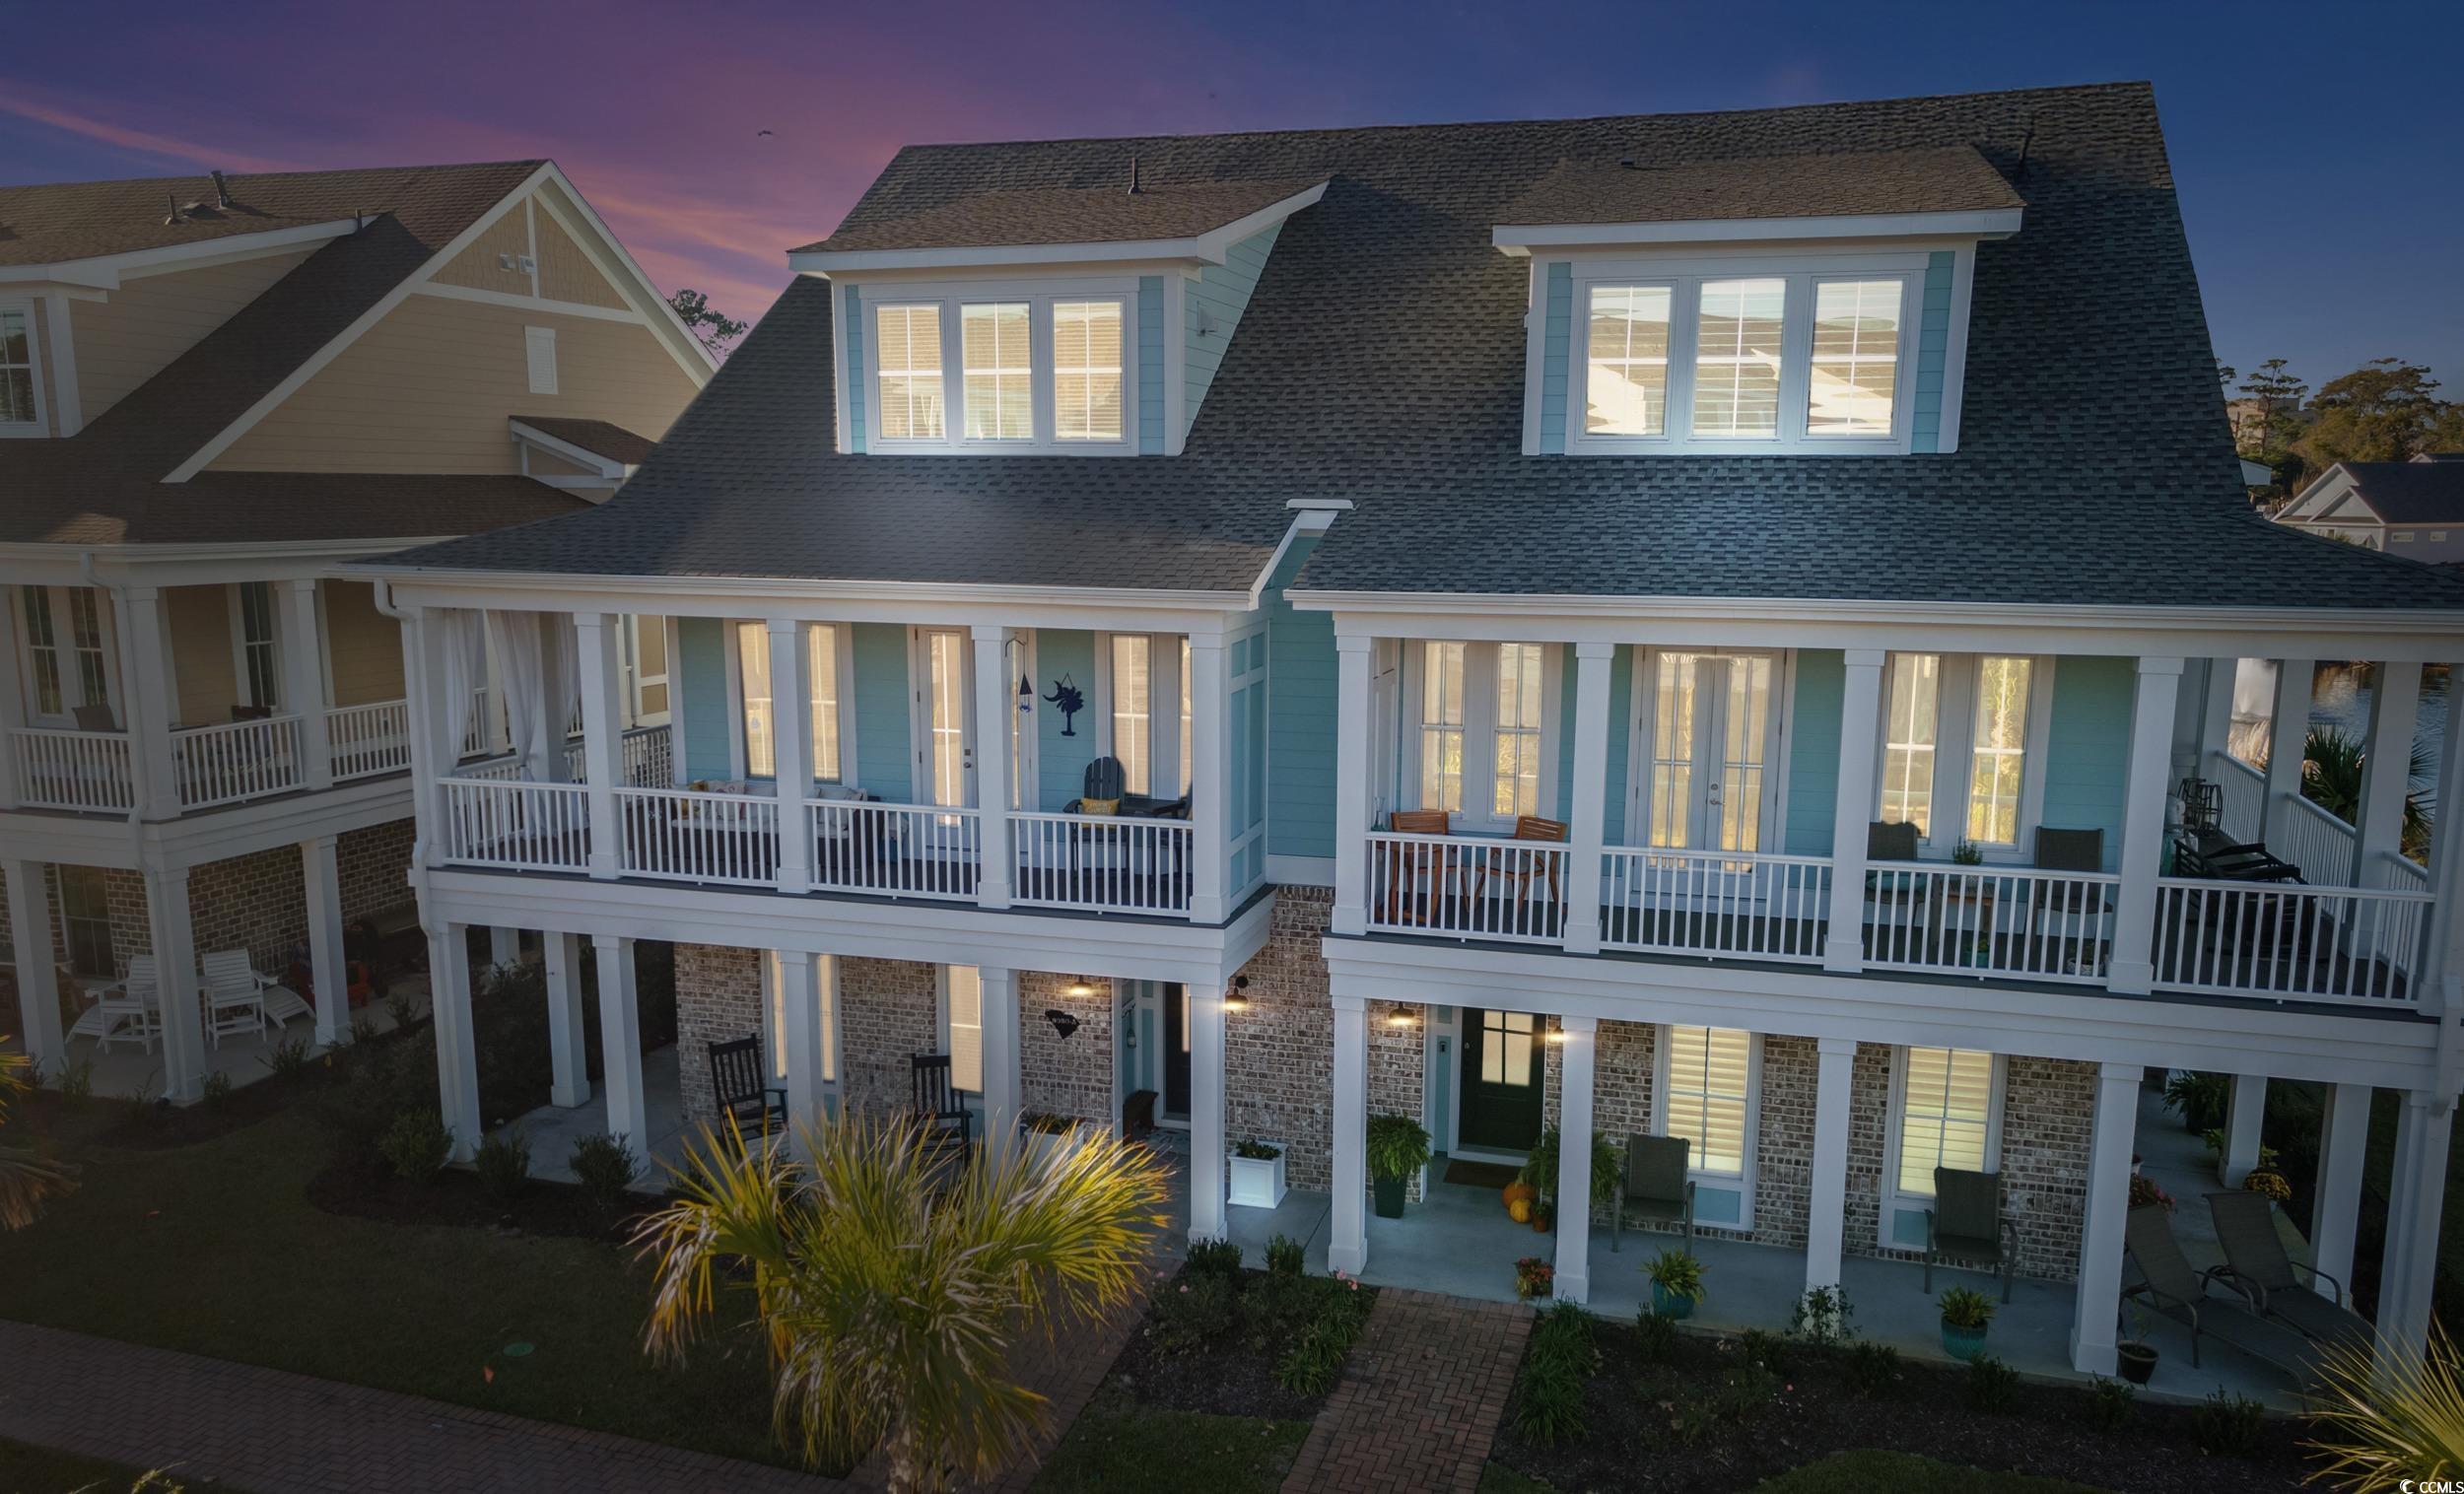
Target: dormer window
(1086,369)
(909,344)
(1001,378)
(21,413)
(1031,368)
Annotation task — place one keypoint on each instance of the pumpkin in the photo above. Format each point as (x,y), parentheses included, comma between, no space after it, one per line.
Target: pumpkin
(1519,1210)
(1518,1191)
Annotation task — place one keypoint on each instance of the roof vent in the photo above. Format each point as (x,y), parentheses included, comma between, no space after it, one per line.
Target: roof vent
(171,201)
(221,191)
(1626,161)
(1133,176)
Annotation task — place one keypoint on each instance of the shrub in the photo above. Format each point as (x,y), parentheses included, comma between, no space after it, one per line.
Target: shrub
(290,1059)
(1765,1349)
(1255,1151)
(2109,1403)
(2228,1425)
(1993,1386)
(1872,1368)
(605,1167)
(417,1145)
(217,1087)
(1676,1273)
(1214,1257)
(1316,1360)
(1398,1146)
(1548,1400)
(403,1008)
(363,1029)
(504,1164)
(2201,1098)
(1565,1327)
(1821,1318)
(1704,1408)
(1654,1336)
(1285,1256)
(1197,1311)
(75,1081)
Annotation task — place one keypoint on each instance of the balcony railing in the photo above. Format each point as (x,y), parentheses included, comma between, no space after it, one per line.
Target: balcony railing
(367,740)
(647,757)
(1470,887)
(1106,863)
(681,836)
(73,770)
(243,760)
(518,826)
(96,771)
(1716,903)
(901,850)
(2288,941)
(2005,920)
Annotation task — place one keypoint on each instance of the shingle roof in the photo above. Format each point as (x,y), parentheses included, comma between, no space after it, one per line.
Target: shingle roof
(1059,214)
(601,438)
(1948,180)
(275,508)
(2410,492)
(1381,360)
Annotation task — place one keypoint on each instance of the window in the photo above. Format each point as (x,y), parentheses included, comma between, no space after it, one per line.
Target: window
(1908,732)
(86,919)
(1962,730)
(999,398)
(1086,370)
(1855,356)
(1132,730)
(2437,536)
(1627,391)
(67,651)
(1141,696)
(18,388)
(1737,358)
(1188,783)
(1441,726)
(645,668)
(1506,1038)
(1946,1112)
(85,626)
(1515,787)
(539,349)
(774,1014)
(907,342)
(962,1015)
(2403,536)
(43,651)
(1488,704)
(2000,750)
(1710,1078)
(821,664)
(261,666)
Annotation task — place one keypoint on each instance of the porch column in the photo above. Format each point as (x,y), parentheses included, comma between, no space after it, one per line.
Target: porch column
(436,733)
(2415,1199)
(320,873)
(2386,771)
(1206,1110)
(1826,1210)
(146,701)
(172,940)
(595,655)
(620,1046)
(1860,735)
(457,1053)
(791,753)
(2098,1307)
(995,709)
(2336,1197)
(1591,796)
(2243,1114)
(1003,1081)
(304,677)
(1351,915)
(1347,1235)
(2440,955)
(569,1058)
(1210,788)
(1579,1044)
(38,968)
(2287,730)
(12,698)
(799,1038)
(2132,966)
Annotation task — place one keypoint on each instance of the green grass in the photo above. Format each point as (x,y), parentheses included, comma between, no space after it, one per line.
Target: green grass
(1120,1445)
(1870,1471)
(214,1248)
(28,1469)
(1497,1478)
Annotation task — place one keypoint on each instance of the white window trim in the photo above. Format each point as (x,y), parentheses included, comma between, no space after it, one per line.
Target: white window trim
(1743,1179)
(64,637)
(1163,704)
(874,297)
(1684,272)
(1895,1116)
(1778,739)
(774,1042)
(733,652)
(634,681)
(1480,744)
(243,687)
(40,425)
(942,1028)
(1954,743)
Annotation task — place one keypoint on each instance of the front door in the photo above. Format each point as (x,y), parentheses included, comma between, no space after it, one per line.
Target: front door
(1502,1053)
(1711,729)
(944,723)
(1177,1051)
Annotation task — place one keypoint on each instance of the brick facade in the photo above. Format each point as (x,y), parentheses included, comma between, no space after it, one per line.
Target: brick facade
(719,998)
(1278,1057)
(1784,1139)
(2048,1111)
(1072,1076)
(888,1013)
(1396,1068)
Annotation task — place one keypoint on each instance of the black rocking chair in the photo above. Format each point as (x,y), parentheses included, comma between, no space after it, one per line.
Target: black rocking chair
(737,1083)
(945,1117)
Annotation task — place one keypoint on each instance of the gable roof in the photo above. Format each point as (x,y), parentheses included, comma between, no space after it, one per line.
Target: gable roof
(1058,214)
(2418,492)
(1382,360)
(600,437)
(1925,180)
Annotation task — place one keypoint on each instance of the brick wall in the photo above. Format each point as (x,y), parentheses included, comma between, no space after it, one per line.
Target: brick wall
(2048,1110)
(718,996)
(1869,1106)
(374,868)
(888,1013)
(1072,1076)
(1784,1139)
(1397,1069)
(1279,1052)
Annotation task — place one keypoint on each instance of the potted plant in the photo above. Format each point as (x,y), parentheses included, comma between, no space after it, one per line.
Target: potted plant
(1676,1283)
(1964,1313)
(2143,1191)
(1399,1146)
(2269,1180)
(1255,1174)
(1532,1277)
(1048,1135)
(2201,1098)
(2136,1356)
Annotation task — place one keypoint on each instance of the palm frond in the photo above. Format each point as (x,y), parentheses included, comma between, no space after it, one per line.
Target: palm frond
(2389,1420)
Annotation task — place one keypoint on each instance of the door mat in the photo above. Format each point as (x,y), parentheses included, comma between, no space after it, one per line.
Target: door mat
(1481,1173)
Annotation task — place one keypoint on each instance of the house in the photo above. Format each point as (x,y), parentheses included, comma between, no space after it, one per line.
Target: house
(221,391)
(2412,508)
(1689,626)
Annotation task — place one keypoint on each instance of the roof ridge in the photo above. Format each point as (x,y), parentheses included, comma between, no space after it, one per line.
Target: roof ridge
(206,173)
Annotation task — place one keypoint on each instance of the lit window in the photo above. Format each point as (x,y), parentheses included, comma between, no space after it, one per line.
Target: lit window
(1998,752)
(908,340)
(761,751)
(1626,392)
(999,397)
(85,628)
(1737,358)
(965,985)
(1709,1070)
(1441,726)
(86,919)
(1945,1106)
(1515,790)
(2403,536)
(1086,369)
(1909,733)
(1485,705)
(1506,1038)
(16,368)
(1132,726)
(1856,357)
(1187,781)
(775,1015)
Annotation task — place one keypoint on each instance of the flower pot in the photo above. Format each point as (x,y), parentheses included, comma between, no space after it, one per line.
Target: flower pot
(1254,1182)
(1670,1304)
(1960,1344)
(2138,1361)
(1389,1193)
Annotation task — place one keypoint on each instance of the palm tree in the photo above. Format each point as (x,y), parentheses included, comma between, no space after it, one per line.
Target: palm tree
(2392,1422)
(2332,764)
(894,1281)
(26,1178)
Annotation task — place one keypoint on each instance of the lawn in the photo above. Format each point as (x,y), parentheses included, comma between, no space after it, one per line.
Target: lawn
(213,1248)
(28,1469)
(1859,1472)
(1117,1444)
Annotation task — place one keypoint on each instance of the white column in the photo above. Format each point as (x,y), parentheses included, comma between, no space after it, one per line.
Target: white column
(1578,1047)
(2096,1308)
(457,1052)
(595,655)
(2336,1199)
(435,736)
(146,697)
(2288,728)
(996,707)
(1352,769)
(2242,1117)
(173,941)
(1206,1124)
(504,945)
(799,1036)
(2215,713)
(1211,785)
(320,874)
(2417,1197)
(792,751)
(38,970)
(1347,1237)
(1827,1211)
(1852,815)
(1003,1083)
(1591,796)
(304,676)
(11,697)
(2133,965)
(568,1056)
(620,1046)
(2386,771)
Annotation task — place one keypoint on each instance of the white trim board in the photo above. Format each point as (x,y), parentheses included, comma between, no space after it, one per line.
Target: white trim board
(1989,223)
(1210,247)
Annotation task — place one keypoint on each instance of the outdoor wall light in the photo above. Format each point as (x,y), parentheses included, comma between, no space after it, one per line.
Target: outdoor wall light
(1081,985)
(1063,1022)
(1401,1018)
(1233,1000)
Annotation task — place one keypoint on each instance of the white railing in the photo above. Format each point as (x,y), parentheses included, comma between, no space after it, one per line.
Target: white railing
(480,734)
(1470,887)
(2040,925)
(1746,904)
(507,769)
(73,770)
(687,836)
(2287,941)
(904,850)
(365,740)
(2400,873)
(1104,863)
(243,760)
(2318,843)
(528,826)
(646,758)
(2243,816)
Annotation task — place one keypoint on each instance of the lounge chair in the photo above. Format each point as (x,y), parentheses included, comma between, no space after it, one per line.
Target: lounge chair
(1656,1189)
(129,1010)
(1966,1224)
(2257,1266)
(2161,1276)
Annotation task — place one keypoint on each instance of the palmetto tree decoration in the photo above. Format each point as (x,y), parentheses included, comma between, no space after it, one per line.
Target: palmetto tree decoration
(893,1280)
(26,1178)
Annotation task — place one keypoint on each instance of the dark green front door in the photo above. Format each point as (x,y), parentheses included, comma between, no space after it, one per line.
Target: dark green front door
(1501,1080)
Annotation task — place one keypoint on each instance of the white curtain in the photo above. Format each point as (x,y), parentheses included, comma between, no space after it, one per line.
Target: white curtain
(564,673)
(465,669)
(537,730)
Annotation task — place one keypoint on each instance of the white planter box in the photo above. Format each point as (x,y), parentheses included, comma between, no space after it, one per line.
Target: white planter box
(1255,1182)
(1044,1147)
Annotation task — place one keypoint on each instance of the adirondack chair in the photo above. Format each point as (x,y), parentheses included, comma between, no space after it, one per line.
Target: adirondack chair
(2159,1275)
(2257,1266)
(235,995)
(231,968)
(129,1010)
(1656,1189)
(1966,1224)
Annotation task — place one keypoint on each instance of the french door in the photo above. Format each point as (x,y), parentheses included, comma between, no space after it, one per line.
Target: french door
(69,654)
(944,728)
(1707,728)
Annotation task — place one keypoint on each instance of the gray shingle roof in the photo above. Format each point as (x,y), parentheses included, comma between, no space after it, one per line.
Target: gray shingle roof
(1949,179)
(1382,360)
(1046,214)
(2410,492)
(602,437)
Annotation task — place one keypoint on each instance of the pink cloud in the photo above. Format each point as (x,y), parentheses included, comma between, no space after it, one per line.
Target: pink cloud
(142,141)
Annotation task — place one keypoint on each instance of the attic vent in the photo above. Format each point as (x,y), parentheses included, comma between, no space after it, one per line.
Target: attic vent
(221,191)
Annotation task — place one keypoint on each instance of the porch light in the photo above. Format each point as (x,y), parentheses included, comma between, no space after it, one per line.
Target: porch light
(1233,1000)
(1557,1035)
(1401,1018)
(1081,985)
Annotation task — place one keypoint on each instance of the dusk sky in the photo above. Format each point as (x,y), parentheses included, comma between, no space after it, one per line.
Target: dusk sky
(2318,148)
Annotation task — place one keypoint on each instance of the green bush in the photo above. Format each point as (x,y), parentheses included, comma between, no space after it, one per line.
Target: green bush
(1285,1256)
(1871,1368)
(417,1145)
(1199,1309)
(1398,1146)
(1766,1349)
(1654,1335)
(217,1087)
(2109,1403)
(1557,1367)
(1316,1359)
(2228,1425)
(1993,1386)
(1214,1257)
(1821,1318)
(605,1167)
(504,1164)
(289,1060)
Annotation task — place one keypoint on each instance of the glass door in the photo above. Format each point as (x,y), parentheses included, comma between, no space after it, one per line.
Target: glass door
(1712,736)
(945,737)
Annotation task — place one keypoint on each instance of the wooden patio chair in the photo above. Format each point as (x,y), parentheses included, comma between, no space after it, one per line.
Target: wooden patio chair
(230,967)
(2257,1266)
(2159,1275)
(1656,1189)
(740,1086)
(129,1009)
(1966,1224)
(235,995)
(1407,864)
(2079,909)
(937,1102)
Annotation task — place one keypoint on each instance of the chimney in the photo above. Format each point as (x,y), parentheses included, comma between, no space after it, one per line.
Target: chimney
(221,191)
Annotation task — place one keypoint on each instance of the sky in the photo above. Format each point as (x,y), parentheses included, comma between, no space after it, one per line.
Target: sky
(2318,149)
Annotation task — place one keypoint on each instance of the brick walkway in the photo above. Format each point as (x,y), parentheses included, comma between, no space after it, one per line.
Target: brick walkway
(1420,1397)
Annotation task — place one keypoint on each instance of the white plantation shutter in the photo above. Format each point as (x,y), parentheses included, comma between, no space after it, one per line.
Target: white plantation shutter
(993,343)
(1710,1070)
(1515,790)
(1132,701)
(761,756)
(965,989)
(1086,369)
(539,347)
(1945,1103)
(908,345)
(821,643)
(1911,730)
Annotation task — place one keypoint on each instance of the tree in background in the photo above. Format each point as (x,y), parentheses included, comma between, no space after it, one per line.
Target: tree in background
(712,330)
(2386,410)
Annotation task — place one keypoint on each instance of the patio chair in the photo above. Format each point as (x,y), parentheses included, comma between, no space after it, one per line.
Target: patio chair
(1407,864)
(235,995)
(1891,841)
(1519,870)
(1966,1224)
(94,718)
(1656,1189)
(946,1115)
(231,966)
(2257,1266)
(741,1086)
(128,1009)
(2161,1276)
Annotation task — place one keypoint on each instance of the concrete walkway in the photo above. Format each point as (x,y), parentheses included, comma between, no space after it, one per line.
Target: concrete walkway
(1420,1397)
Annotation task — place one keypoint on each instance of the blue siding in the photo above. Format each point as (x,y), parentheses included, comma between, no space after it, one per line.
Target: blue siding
(883,765)
(1563,809)
(1150,365)
(1061,761)
(2088,748)
(1300,792)
(1620,744)
(1556,351)
(701,656)
(854,325)
(1933,346)
(1814,751)
(1222,292)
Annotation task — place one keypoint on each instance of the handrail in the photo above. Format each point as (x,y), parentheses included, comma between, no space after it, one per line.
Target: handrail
(2289,940)
(899,851)
(368,739)
(683,835)
(60,768)
(1102,863)
(1468,887)
(1751,904)
(1989,921)
(230,762)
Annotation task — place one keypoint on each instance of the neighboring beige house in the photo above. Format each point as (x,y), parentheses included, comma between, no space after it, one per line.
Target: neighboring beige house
(219,391)
(2409,508)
